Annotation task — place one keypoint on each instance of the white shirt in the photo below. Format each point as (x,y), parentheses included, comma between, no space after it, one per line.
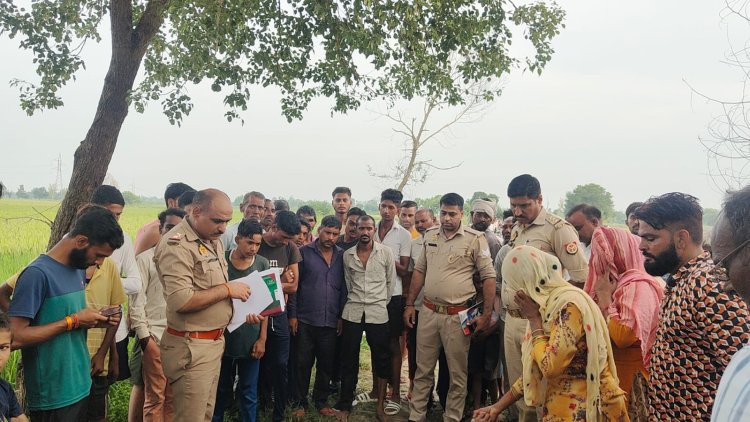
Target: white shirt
(124,258)
(399,240)
(227,239)
(733,397)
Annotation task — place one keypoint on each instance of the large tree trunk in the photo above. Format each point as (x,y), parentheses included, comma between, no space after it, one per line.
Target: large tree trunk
(95,152)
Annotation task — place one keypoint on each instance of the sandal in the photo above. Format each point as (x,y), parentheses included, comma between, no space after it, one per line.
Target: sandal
(392,408)
(363,398)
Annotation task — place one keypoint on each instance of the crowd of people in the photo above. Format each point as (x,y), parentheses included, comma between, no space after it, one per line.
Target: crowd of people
(556,319)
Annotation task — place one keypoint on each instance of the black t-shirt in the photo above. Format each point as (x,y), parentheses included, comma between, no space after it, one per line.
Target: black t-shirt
(9,407)
(341,243)
(280,256)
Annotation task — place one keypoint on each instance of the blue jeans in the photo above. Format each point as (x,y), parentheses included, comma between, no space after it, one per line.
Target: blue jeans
(247,388)
(275,365)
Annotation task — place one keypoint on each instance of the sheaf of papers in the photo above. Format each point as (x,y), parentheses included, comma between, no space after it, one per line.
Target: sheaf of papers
(265,291)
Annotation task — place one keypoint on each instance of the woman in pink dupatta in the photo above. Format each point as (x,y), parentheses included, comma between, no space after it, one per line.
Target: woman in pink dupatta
(629,297)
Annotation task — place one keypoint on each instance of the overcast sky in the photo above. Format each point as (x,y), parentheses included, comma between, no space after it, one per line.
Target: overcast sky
(612,108)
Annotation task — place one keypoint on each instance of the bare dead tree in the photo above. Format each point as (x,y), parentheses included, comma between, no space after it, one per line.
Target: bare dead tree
(727,141)
(416,132)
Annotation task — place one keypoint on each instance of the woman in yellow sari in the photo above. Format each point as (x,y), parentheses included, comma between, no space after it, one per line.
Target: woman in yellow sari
(568,367)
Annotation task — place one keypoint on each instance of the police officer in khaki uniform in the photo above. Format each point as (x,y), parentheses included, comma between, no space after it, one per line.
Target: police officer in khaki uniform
(450,256)
(191,265)
(535,227)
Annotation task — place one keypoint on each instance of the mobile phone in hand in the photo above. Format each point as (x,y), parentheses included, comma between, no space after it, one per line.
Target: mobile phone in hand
(112,311)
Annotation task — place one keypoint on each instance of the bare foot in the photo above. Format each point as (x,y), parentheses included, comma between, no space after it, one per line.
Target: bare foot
(341,415)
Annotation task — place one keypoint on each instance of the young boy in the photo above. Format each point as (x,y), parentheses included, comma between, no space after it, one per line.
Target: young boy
(10,410)
(246,345)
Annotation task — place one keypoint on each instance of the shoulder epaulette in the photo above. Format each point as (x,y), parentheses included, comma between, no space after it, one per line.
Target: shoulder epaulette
(175,238)
(555,221)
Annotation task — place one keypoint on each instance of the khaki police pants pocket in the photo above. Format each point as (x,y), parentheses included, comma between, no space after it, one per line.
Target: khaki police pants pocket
(176,356)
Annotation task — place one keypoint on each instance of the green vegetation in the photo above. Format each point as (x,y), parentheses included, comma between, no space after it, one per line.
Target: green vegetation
(24,230)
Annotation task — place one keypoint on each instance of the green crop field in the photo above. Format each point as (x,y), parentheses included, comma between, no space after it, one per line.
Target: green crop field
(24,231)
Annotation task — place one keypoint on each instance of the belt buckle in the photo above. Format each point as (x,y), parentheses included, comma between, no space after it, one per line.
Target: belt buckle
(441,309)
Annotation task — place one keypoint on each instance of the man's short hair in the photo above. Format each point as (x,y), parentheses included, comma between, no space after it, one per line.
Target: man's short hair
(253,194)
(591,212)
(174,190)
(303,222)
(107,194)
(204,198)
(365,217)
(427,210)
(4,322)
(359,212)
(99,225)
(186,198)
(408,204)
(673,211)
(307,210)
(452,199)
(281,205)
(632,207)
(524,185)
(170,211)
(331,221)
(287,222)
(341,189)
(249,228)
(507,213)
(737,212)
(392,195)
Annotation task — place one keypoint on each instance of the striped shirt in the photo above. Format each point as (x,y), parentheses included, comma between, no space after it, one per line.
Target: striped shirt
(733,399)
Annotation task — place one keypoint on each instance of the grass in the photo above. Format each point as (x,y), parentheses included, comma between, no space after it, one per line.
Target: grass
(24,231)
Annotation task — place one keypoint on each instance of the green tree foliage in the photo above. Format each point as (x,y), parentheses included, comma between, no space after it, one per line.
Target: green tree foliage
(348,50)
(592,194)
(39,193)
(21,192)
(131,198)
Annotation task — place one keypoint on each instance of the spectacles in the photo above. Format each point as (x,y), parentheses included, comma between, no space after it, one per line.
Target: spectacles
(731,254)
(721,271)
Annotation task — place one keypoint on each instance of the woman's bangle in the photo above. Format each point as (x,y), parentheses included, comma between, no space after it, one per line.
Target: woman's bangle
(229,291)
(533,332)
(76,322)
(68,323)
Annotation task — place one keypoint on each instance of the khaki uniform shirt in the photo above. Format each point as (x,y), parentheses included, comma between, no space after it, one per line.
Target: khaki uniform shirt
(369,288)
(187,264)
(552,234)
(449,264)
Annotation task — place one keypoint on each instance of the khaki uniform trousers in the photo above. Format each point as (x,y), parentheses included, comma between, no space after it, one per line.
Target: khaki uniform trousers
(515,329)
(436,331)
(192,369)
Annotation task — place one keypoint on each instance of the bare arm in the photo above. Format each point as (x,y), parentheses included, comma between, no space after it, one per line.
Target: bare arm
(402,266)
(5,293)
(290,278)
(148,240)
(25,335)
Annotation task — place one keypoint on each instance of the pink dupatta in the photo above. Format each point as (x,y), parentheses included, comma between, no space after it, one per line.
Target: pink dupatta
(636,301)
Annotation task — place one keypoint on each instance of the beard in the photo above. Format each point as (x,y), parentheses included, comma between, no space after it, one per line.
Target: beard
(77,258)
(481,226)
(664,263)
